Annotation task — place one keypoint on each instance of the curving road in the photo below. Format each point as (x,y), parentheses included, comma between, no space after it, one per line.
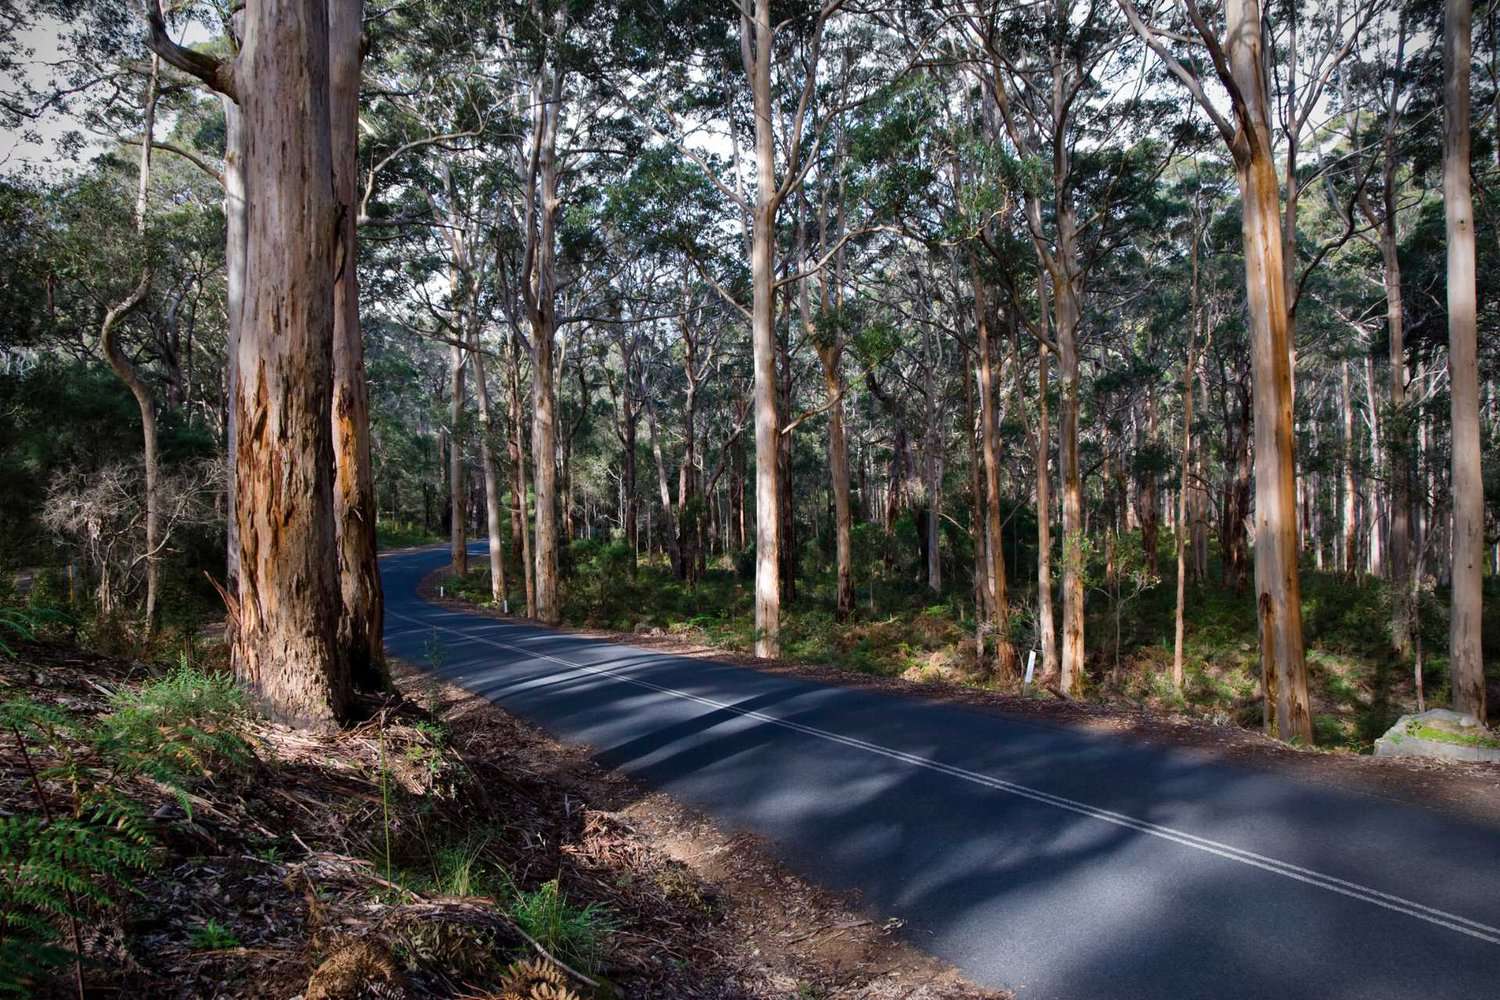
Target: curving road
(1055,862)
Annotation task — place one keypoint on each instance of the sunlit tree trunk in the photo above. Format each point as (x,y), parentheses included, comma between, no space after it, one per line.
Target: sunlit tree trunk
(362,615)
(1066,313)
(1278,590)
(1464,650)
(756,39)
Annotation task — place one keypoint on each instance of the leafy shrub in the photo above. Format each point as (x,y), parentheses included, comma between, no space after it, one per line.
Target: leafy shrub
(403,534)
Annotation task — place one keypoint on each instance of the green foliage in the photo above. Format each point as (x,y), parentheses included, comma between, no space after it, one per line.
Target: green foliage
(1418,730)
(403,534)
(81,851)
(26,623)
(577,935)
(176,729)
(51,873)
(213,936)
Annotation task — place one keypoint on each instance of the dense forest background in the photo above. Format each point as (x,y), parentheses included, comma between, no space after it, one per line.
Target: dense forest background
(915,339)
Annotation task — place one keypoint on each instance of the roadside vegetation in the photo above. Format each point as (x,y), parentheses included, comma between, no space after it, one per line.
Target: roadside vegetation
(900,629)
(159,837)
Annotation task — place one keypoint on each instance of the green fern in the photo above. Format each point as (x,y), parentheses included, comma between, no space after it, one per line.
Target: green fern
(49,872)
(176,731)
(25,623)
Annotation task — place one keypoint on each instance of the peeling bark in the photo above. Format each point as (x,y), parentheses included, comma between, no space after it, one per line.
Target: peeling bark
(362,616)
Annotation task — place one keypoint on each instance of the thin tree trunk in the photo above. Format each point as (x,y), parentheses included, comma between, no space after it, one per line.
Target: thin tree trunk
(487,464)
(458,549)
(1464,650)
(126,371)
(838,471)
(1005,653)
(1351,500)
(1375,513)
(1148,513)
(669,527)
(1189,368)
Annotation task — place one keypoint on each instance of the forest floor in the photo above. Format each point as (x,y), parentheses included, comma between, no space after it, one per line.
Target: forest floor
(422,853)
(1464,789)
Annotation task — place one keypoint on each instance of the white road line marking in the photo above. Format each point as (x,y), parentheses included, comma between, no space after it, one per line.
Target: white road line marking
(1354,890)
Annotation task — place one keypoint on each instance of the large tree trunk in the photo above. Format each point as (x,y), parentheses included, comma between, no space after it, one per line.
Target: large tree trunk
(544,461)
(1464,651)
(1046,616)
(289,602)
(234,296)
(518,464)
(758,54)
(1005,652)
(362,615)
(543,310)
(1278,591)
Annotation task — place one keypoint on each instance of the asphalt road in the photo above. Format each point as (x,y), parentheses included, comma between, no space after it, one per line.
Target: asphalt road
(1058,863)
